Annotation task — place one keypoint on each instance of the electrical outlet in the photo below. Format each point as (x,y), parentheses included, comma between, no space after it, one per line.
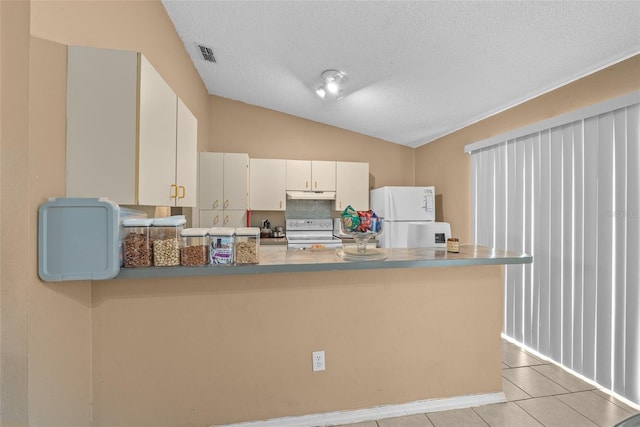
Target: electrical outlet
(317,358)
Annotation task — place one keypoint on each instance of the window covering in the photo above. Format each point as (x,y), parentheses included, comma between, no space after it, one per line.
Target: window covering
(567,191)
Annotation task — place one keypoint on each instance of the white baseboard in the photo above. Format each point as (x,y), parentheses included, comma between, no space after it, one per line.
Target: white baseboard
(378,412)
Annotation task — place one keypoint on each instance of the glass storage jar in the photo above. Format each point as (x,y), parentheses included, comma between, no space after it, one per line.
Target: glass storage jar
(247,245)
(221,245)
(137,242)
(194,250)
(166,233)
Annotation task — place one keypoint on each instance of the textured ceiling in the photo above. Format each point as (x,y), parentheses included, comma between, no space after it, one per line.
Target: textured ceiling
(417,70)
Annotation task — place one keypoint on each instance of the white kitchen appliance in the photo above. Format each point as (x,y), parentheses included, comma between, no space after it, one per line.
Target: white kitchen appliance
(409,217)
(311,234)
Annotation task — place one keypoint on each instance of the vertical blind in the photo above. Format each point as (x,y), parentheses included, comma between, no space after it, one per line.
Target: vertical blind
(567,191)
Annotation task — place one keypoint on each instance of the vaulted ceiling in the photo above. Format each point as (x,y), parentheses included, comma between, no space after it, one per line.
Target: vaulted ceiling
(416,70)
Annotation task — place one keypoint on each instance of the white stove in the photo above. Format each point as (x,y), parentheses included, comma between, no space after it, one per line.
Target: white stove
(311,234)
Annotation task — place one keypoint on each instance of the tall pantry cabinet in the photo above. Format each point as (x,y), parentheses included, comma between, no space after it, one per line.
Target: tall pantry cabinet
(129,137)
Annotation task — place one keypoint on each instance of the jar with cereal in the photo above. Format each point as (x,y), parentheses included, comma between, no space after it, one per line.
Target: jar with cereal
(221,241)
(137,243)
(195,247)
(247,245)
(166,233)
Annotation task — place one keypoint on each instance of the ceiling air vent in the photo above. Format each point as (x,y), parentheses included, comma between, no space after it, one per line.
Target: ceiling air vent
(207,53)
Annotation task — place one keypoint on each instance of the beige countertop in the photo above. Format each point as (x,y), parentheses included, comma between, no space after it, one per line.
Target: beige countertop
(277,259)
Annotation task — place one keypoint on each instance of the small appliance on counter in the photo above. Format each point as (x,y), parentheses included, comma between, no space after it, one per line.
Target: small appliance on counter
(278,231)
(266,231)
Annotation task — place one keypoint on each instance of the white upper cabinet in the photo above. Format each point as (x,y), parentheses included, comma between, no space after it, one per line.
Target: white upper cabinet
(236,181)
(267,184)
(223,180)
(352,185)
(323,175)
(186,156)
(299,175)
(210,180)
(311,175)
(129,137)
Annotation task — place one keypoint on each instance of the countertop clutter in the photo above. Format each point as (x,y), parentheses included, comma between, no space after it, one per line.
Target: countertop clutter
(277,259)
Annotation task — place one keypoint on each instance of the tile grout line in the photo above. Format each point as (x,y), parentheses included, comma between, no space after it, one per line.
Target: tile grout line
(530,414)
(570,391)
(480,416)
(519,388)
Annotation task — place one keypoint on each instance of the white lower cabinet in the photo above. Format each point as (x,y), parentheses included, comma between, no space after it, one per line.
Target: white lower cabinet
(220,218)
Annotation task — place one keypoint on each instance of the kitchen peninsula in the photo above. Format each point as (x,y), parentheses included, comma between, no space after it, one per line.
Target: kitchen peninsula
(418,331)
(277,259)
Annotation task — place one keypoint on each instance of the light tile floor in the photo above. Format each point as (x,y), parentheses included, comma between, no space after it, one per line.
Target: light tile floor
(538,394)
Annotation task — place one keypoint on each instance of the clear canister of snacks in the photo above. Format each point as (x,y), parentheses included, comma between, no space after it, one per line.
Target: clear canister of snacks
(137,242)
(221,245)
(247,246)
(166,233)
(195,247)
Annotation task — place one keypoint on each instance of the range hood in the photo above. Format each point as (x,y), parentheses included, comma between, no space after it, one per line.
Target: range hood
(311,195)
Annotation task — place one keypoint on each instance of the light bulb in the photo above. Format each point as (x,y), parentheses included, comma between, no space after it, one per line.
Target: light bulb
(332,87)
(321,92)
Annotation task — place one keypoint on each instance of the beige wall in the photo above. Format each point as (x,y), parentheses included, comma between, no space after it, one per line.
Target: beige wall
(202,351)
(14,209)
(59,313)
(183,350)
(444,164)
(242,128)
(46,367)
(141,26)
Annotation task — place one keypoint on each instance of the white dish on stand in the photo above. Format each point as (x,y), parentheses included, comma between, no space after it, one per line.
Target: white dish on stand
(360,252)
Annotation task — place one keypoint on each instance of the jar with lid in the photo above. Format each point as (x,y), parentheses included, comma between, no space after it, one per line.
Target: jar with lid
(194,250)
(247,245)
(453,245)
(137,243)
(166,233)
(221,245)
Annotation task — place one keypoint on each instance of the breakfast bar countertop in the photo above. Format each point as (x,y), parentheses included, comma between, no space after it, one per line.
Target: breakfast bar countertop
(277,259)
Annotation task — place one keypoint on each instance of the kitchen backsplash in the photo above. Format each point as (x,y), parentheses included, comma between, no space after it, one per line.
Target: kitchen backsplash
(308,209)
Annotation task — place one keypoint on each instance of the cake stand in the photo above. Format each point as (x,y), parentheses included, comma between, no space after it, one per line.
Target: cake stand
(360,252)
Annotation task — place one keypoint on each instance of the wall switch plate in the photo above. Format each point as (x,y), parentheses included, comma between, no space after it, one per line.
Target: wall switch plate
(317,358)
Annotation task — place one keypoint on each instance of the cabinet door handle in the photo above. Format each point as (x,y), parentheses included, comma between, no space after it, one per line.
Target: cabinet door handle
(226,220)
(316,185)
(306,184)
(226,203)
(280,204)
(184,192)
(215,204)
(216,219)
(174,192)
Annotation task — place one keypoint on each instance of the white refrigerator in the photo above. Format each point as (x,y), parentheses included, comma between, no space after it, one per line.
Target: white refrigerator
(409,215)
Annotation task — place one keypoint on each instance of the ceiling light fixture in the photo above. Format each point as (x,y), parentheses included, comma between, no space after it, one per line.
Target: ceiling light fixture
(331,87)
